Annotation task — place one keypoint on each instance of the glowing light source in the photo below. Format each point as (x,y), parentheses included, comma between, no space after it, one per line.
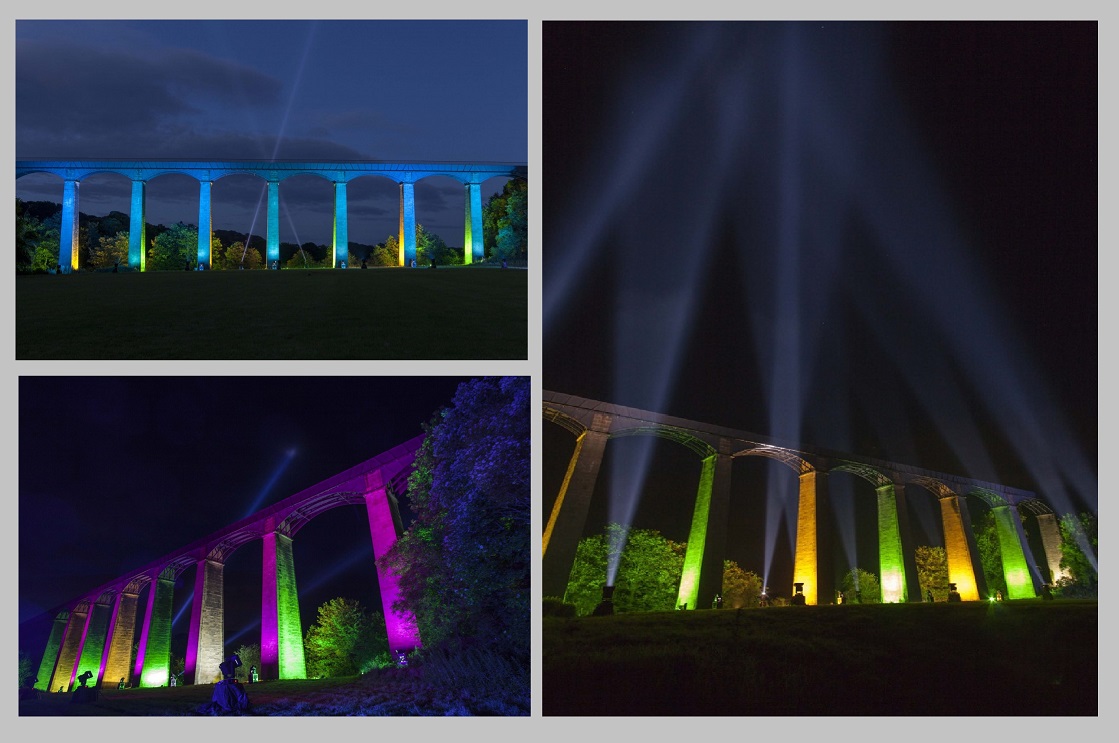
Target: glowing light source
(605,607)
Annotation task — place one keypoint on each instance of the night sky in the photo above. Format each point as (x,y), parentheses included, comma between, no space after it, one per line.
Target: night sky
(440,91)
(115,472)
(865,237)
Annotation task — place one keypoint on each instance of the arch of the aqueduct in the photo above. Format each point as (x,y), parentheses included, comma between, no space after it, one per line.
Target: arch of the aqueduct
(593,423)
(96,631)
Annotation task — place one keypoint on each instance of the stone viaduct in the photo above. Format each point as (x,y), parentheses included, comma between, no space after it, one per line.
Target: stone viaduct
(593,423)
(273,172)
(96,631)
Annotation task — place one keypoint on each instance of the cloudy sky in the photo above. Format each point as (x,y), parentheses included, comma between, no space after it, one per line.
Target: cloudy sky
(427,91)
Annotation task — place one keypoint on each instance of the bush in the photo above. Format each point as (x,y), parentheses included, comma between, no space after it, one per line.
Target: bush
(556,607)
(1070,588)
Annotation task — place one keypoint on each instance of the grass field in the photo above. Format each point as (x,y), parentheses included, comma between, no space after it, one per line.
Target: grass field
(448,313)
(1019,658)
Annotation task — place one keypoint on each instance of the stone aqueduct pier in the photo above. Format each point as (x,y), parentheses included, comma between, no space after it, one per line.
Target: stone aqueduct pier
(96,632)
(273,172)
(593,423)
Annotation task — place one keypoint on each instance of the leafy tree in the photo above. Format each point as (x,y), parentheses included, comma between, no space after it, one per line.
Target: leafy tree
(43,260)
(45,257)
(235,254)
(109,251)
(345,640)
(253,259)
(387,253)
(932,571)
(429,246)
(306,259)
(648,575)
(465,562)
(741,588)
(506,211)
(26,669)
(216,251)
(990,555)
(492,212)
(27,236)
(512,234)
(250,656)
(1079,551)
(173,249)
(859,586)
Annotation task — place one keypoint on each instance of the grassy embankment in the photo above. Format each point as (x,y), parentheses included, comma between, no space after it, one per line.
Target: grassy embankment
(446,313)
(497,689)
(1027,657)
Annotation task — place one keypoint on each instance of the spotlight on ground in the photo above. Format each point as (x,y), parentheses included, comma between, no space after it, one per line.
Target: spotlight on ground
(605,607)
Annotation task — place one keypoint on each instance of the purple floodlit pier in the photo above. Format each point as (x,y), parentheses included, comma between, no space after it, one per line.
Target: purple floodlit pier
(97,630)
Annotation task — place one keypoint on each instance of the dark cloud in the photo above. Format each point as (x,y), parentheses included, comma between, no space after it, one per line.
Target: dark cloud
(258,90)
(67,88)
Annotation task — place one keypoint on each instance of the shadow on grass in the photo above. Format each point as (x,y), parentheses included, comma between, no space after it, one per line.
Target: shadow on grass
(449,313)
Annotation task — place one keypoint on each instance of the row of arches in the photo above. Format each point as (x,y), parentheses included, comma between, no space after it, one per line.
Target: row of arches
(589,425)
(96,632)
(402,176)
